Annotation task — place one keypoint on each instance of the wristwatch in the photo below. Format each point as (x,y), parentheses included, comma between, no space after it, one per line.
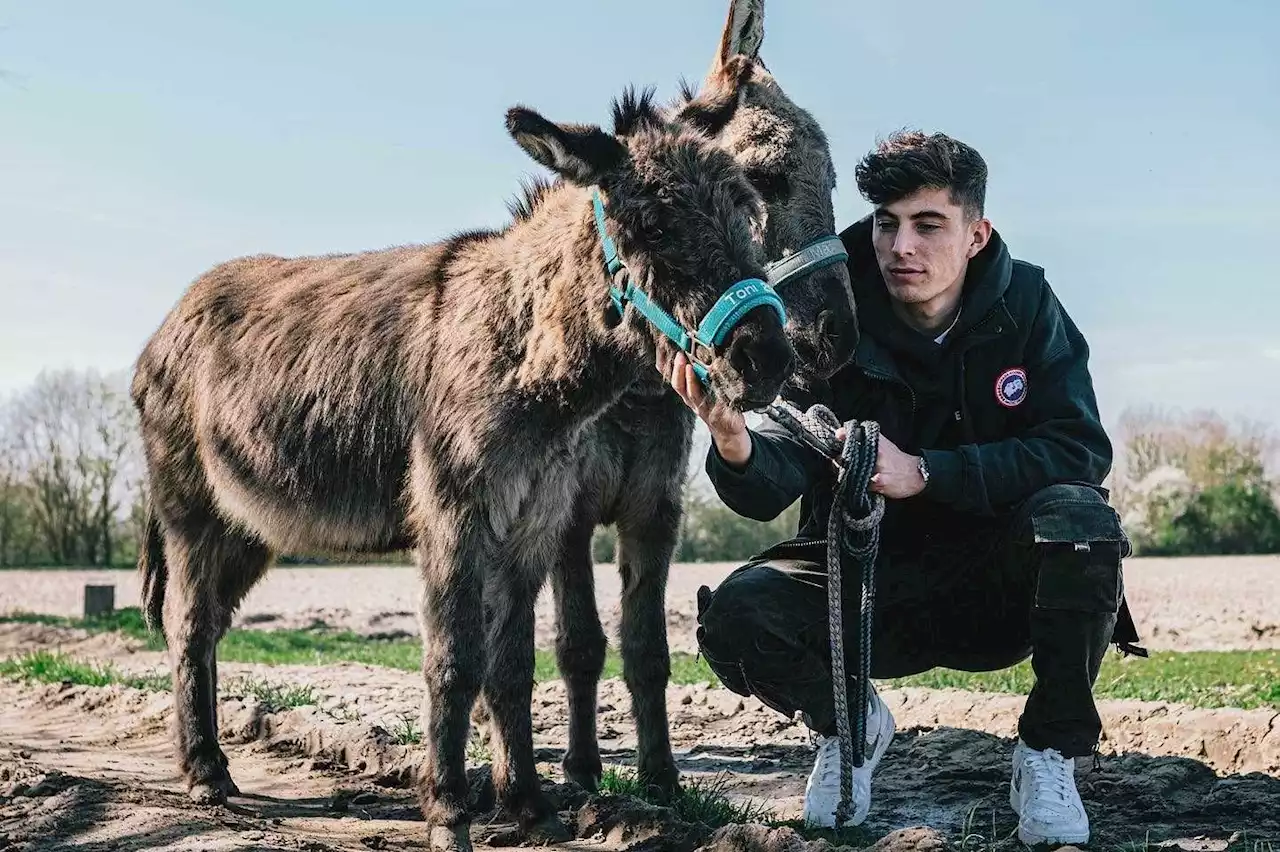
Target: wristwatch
(924,470)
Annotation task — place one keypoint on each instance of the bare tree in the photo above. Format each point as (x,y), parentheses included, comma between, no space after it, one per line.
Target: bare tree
(76,438)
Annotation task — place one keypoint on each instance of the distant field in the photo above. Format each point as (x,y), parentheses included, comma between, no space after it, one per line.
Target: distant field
(1216,603)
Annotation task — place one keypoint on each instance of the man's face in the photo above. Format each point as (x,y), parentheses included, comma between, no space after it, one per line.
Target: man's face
(924,243)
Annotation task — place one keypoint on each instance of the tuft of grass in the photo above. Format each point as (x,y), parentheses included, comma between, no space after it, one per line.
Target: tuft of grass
(706,801)
(478,750)
(1242,842)
(973,840)
(56,667)
(405,731)
(1243,679)
(698,800)
(275,697)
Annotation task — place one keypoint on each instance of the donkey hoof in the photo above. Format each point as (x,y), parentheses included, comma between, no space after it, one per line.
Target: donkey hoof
(212,786)
(444,838)
(662,785)
(584,778)
(209,793)
(548,830)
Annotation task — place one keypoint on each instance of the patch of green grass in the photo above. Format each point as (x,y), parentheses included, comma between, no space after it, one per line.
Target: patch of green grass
(698,800)
(707,801)
(275,697)
(127,621)
(318,647)
(1243,679)
(52,667)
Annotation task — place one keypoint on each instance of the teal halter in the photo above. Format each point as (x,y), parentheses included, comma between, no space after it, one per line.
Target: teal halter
(724,315)
(820,253)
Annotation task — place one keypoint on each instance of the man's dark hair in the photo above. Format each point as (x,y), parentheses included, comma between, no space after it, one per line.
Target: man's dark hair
(909,160)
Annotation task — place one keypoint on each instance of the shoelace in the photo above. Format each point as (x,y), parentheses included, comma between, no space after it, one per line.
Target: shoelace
(1050,777)
(830,758)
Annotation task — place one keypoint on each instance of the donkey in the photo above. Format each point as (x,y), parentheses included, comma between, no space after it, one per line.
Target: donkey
(441,398)
(633,478)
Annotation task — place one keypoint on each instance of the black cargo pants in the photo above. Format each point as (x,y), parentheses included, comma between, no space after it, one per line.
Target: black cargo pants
(1043,582)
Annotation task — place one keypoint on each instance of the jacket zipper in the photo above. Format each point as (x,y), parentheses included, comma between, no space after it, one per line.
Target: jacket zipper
(961,414)
(885,377)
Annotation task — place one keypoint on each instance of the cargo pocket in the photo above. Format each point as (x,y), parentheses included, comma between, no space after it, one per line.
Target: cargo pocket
(1080,546)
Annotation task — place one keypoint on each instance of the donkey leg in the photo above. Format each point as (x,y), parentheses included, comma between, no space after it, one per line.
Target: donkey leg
(645,546)
(235,582)
(580,650)
(199,556)
(508,692)
(452,665)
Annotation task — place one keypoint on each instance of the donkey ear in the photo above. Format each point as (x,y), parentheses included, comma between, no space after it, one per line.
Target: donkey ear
(715,107)
(743,32)
(581,154)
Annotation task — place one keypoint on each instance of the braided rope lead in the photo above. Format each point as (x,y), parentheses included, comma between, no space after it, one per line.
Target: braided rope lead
(855,529)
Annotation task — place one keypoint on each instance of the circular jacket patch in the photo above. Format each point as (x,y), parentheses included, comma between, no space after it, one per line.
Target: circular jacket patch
(1011,387)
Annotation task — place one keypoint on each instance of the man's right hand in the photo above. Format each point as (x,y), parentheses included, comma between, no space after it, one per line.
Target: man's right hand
(727,426)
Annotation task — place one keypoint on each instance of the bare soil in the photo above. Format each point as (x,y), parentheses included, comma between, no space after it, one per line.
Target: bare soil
(1213,603)
(91,768)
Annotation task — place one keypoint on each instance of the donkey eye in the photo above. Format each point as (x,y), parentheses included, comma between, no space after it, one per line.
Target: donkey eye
(772,185)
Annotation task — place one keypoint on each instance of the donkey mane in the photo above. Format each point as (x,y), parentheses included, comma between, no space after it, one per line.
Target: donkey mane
(632,110)
(533,191)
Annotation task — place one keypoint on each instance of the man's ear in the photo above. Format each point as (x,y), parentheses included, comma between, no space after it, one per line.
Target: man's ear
(716,105)
(581,154)
(979,236)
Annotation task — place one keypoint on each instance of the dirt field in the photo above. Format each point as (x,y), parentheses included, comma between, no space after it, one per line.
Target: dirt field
(91,768)
(1216,603)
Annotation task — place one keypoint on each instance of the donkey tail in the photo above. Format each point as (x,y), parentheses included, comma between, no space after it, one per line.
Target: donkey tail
(155,573)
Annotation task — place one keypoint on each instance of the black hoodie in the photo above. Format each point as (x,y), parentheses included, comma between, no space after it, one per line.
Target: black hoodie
(1003,408)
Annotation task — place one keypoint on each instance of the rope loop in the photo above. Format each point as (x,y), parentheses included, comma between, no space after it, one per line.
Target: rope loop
(853,528)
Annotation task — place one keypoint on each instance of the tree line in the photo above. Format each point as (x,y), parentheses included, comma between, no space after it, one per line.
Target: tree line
(72,485)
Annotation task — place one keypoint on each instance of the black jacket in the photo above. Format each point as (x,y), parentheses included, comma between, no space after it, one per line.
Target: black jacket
(1003,408)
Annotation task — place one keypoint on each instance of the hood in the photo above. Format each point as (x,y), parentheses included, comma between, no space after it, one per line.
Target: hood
(985,285)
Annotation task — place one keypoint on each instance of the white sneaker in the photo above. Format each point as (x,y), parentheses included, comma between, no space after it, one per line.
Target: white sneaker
(1043,794)
(822,792)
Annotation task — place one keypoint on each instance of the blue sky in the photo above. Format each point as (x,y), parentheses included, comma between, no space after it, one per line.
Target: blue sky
(1133,149)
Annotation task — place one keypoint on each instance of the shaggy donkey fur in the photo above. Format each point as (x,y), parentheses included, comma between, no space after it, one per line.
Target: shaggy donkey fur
(439,397)
(634,474)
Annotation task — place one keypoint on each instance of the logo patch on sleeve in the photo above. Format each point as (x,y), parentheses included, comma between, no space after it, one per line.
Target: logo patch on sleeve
(1011,387)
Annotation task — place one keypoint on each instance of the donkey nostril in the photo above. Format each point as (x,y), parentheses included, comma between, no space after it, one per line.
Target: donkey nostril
(761,359)
(827,324)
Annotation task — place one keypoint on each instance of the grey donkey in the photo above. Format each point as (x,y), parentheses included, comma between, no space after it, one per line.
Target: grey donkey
(633,476)
(438,398)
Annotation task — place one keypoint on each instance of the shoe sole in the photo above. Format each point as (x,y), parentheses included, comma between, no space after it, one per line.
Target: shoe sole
(1038,840)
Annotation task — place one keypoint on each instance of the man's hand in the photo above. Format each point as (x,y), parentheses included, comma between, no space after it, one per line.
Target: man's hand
(728,427)
(897,474)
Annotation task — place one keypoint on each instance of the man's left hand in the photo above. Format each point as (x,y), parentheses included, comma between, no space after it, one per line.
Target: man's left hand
(897,474)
